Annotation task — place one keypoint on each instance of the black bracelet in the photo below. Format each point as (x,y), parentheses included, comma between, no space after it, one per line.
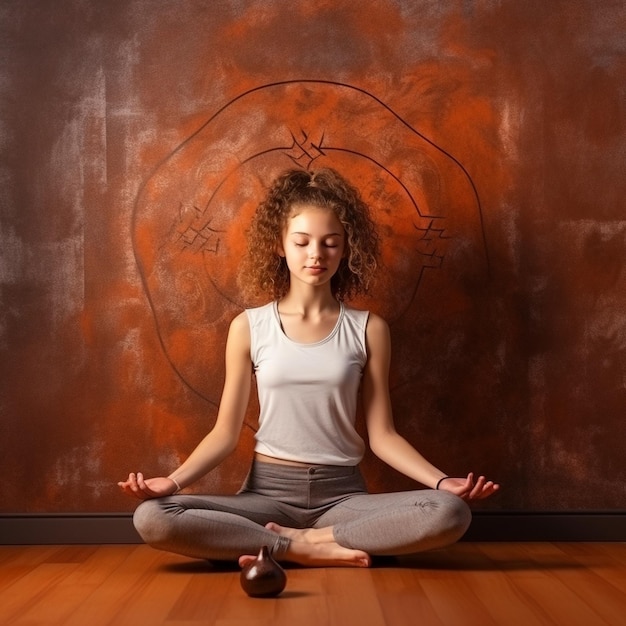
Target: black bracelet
(440,481)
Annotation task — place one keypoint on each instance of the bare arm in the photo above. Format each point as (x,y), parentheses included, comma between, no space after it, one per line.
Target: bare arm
(223,438)
(386,443)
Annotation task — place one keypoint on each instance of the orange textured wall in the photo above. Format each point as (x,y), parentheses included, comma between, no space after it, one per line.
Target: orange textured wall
(488,138)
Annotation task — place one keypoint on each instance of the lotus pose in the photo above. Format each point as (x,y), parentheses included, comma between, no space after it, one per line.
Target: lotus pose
(312,246)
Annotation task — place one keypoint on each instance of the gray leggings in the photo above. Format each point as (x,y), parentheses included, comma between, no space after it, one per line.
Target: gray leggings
(225,527)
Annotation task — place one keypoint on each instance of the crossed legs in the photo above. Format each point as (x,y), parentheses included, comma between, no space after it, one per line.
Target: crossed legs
(346,534)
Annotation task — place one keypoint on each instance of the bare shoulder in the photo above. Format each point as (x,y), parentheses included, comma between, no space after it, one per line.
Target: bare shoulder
(377,337)
(239,332)
(240,323)
(376,326)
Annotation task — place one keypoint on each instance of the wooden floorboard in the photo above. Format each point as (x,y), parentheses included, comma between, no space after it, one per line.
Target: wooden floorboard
(482,584)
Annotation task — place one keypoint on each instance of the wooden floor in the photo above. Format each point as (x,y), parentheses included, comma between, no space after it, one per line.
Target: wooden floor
(508,584)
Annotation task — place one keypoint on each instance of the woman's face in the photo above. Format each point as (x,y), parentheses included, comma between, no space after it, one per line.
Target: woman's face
(313,244)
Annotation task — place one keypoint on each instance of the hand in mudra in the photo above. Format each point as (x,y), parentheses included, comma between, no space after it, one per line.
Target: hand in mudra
(139,487)
(468,488)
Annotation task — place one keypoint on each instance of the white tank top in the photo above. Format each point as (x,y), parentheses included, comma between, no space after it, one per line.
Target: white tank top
(308,391)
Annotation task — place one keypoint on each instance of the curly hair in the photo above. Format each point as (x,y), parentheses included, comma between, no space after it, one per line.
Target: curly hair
(264,272)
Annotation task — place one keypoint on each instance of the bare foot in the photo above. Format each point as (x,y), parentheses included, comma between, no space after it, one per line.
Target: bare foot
(314,547)
(329,554)
(304,535)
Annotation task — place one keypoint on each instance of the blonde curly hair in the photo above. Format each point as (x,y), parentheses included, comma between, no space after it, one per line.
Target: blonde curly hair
(264,272)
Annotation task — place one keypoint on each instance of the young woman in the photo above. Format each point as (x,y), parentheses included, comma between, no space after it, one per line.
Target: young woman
(312,245)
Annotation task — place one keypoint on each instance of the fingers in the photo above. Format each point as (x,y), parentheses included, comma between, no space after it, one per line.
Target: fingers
(482,488)
(135,485)
(469,489)
(490,489)
(141,483)
(143,491)
(477,489)
(127,485)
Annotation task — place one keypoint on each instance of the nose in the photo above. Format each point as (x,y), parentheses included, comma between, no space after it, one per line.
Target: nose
(315,251)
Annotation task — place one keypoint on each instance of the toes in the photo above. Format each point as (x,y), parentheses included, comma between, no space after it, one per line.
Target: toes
(244,559)
(273,527)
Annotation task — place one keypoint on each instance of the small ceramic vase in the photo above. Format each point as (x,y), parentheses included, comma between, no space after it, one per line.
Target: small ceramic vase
(263,577)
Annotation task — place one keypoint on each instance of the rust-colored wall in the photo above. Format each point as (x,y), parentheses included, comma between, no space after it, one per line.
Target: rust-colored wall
(488,137)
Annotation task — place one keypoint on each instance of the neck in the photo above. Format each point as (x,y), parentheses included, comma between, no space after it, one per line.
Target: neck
(309,300)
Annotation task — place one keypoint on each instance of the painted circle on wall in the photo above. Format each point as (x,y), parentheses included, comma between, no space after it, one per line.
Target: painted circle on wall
(191,215)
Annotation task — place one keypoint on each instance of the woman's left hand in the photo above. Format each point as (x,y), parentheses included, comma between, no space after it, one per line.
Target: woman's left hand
(468,488)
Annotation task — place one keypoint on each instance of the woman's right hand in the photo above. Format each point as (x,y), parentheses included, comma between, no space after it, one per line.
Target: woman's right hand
(144,489)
